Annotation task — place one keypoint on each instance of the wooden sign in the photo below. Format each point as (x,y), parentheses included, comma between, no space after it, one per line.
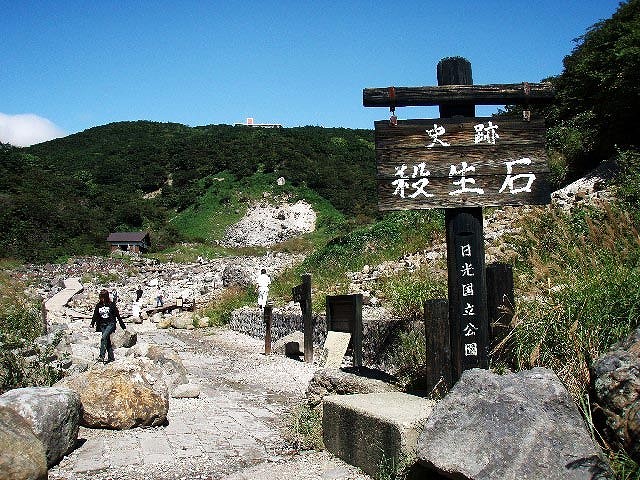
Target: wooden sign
(461,162)
(344,314)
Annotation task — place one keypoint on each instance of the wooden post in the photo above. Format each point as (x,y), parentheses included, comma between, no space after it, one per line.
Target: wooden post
(43,311)
(357,332)
(268,310)
(307,315)
(468,320)
(438,346)
(500,302)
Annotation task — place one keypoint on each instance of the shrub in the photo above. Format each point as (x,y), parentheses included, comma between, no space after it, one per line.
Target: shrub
(305,428)
(22,364)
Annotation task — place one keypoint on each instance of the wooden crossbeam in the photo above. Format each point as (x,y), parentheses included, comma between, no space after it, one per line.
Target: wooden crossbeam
(498,94)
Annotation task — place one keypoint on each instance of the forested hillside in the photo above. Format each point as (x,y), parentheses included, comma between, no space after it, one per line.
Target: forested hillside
(64,196)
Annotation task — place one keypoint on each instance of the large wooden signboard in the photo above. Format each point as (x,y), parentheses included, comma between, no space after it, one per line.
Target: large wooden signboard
(460,162)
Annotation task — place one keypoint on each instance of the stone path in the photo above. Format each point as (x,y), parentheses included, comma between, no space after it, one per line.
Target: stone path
(60,299)
(234,430)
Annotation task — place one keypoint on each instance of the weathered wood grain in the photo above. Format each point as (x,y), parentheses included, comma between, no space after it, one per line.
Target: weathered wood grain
(496,94)
(486,161)
(442,187)
(458,132)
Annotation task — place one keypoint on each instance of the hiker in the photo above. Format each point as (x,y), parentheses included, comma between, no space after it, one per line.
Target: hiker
(114,296)
(104,318)
(139,293)
(263,281)
(159,295)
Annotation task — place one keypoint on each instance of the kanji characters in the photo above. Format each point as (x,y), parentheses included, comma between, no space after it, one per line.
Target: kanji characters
(435,134)
(462,172)
(508,181)
(485,134)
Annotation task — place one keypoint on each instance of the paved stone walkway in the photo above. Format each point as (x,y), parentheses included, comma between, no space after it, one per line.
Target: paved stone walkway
(235,425)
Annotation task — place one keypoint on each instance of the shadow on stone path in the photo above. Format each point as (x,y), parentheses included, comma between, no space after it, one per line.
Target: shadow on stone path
(233,427)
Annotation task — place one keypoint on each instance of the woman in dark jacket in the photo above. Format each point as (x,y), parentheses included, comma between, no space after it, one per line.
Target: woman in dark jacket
(104,318)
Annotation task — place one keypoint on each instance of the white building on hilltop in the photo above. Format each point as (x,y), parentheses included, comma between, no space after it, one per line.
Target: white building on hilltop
(250,123)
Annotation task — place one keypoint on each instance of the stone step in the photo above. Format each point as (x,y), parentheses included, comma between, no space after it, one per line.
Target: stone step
(374,431)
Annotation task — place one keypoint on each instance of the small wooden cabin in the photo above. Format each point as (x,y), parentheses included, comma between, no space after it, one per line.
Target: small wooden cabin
(137,242)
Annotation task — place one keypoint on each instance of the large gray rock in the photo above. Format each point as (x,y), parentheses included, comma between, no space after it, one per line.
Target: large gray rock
(518,426)
(616,391)
(125,394)
(237,275)
(124,338)
(170,364)
(53,415)
(22,455)
(340,382)
(183,320)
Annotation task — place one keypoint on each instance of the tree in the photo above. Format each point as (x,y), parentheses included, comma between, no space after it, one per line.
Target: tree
(599,88)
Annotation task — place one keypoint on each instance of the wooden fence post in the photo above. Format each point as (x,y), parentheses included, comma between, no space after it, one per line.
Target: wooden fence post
(268,310)
(438,346)
(307,315)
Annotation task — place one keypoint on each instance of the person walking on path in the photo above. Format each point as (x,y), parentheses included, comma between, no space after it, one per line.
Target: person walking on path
(263,281)
(139,293)
(104,318)
(159,295)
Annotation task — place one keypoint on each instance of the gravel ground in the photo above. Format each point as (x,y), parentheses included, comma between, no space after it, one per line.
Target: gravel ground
(233,431)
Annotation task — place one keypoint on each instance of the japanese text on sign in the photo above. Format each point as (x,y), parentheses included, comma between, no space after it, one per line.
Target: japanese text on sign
(469,329)
(413,181)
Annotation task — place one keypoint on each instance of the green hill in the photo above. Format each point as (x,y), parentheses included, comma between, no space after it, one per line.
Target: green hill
(63,197)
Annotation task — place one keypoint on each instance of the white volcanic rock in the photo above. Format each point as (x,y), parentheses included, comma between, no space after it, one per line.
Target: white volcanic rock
(266,225)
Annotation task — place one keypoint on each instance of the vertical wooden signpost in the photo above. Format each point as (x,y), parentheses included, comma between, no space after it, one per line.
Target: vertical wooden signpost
(461,163)
(302,294)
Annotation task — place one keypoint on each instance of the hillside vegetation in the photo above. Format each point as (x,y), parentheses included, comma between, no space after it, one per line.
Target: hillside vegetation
(63,197)
(576,272)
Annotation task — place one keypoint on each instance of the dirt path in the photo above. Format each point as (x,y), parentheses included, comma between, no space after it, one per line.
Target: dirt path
(233,430)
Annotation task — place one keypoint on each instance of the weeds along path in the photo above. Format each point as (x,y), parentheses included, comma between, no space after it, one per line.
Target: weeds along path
(236,423)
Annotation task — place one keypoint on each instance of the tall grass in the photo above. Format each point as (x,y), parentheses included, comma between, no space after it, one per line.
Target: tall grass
(578,290)
(397,234)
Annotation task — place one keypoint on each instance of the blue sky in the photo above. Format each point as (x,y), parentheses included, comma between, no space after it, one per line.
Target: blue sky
(73,65)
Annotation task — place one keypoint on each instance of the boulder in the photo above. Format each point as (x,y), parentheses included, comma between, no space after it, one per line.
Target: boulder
(236,275)
(521,426)
(164,323)
(53,415)
(616,395)
(347,382)
(186,390)
(170,364)
(124,338)
(124,394)
(22,455)
(291,345)
(182,320)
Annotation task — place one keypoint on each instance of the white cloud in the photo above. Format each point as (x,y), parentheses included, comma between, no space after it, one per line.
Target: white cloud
(26,129)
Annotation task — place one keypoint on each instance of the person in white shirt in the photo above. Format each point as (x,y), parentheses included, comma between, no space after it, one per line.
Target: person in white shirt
(263,281)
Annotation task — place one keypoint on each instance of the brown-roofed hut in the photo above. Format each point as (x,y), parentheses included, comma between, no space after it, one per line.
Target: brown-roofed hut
(137,242)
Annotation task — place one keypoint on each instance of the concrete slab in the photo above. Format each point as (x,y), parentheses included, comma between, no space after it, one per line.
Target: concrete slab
(335,347)
(374,431)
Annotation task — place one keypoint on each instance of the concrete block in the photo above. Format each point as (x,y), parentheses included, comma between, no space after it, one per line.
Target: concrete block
(374,431)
